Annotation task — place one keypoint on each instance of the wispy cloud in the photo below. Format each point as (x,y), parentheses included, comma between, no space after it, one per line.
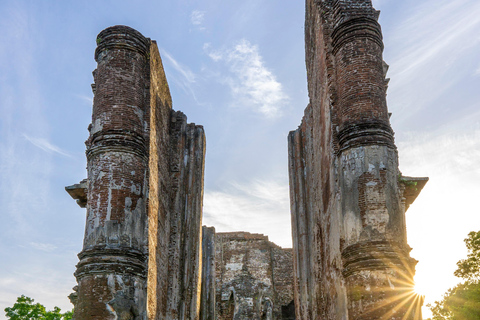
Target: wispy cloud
(45,145)
(25,169)
(437,40)
(182,75)
(252,84)
(183,70)
(47,278)
(429,51)
(47,247)
(258,206)
(197,18)
(85,98)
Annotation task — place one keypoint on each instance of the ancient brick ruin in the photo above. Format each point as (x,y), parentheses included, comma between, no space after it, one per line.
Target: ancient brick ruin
(348,197)
(245,276)
(145,253)
(253,275)
(144,191)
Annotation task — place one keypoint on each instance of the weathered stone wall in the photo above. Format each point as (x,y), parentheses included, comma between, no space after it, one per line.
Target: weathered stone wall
(208,302)
(159,203)
(177,152)
(112,273)
(187,167)
(253,277)
(351,258)
(144,191)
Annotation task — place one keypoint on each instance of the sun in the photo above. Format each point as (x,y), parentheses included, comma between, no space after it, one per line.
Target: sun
(421,287)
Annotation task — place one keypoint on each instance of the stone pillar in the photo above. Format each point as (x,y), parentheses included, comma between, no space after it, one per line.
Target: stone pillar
(112,273)
(377,268)
(207,305)
(185,248)
(144,193)
(361,106)
(351,256)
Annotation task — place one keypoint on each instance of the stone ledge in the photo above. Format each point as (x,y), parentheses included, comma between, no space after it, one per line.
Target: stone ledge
(413,187)
(79,192)
(376,255)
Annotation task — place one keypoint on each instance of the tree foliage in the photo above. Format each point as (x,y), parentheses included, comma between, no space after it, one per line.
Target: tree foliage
(462,302)
(469,269)
(26,309)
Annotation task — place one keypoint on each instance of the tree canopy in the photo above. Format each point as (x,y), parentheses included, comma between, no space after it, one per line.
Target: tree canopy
(462,302)
(26,309)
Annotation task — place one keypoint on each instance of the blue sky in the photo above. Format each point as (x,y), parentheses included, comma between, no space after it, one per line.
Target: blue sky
(238,69)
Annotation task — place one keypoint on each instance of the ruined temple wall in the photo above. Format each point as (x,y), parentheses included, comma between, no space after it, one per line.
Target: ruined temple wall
(282,272)
(377,269)
(351,258)
(314,187)
(141,257)
(253,277)
(159,202)
(185,264)
(177,155)
(208,294)
(372,211)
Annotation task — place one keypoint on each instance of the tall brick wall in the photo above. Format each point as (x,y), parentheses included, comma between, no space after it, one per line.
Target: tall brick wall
(186,166)
(351,258)
(177,151)
(141,257)
(160,185)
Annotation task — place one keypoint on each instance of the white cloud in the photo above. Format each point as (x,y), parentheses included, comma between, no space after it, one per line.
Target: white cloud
(257,207)
(428,52)
(45,145)
(435,41)
(48,284)
(183,77)
(446,209)
(85,98)
(252,84)
(186,73)
(47,247)
(214,55)
(197,17)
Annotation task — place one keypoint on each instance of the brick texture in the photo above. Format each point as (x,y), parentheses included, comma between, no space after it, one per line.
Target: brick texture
(253,277)
(351,257)
(144,191)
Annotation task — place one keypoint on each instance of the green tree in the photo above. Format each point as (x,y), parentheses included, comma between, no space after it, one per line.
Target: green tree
(25,309)
(469,269)
(462,302)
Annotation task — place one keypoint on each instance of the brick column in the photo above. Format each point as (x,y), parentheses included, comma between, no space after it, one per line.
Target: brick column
(112,270)
(362,111)
(351,257)
(378,270)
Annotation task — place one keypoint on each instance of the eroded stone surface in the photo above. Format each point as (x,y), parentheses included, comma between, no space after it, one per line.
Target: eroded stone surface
(145,254)
(253,277)
(144,191)
(351,257)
